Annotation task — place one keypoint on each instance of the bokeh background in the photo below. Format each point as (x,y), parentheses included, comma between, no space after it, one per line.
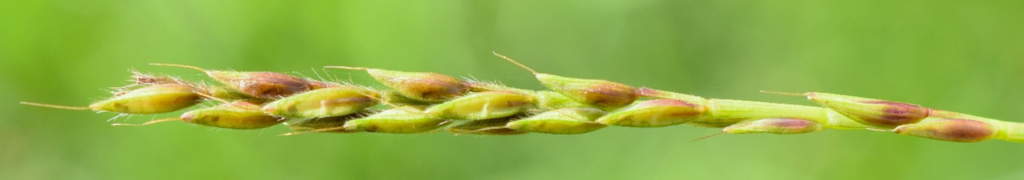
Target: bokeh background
(957,55)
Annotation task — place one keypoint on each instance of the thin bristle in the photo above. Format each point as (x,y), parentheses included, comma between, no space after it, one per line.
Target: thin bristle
(178,65)
(708,136)
(387,103)
(207,96)
(514,62)
(479,130)
(55,106)
(147,123)
(313,131)
(783,93)
(346,67)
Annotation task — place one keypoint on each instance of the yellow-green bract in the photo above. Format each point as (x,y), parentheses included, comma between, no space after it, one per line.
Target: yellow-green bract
(326,102)
(327,124)
(775,126)
(496,126)
(152,99)
(236,115)
(482,105)
(654,113)
(397,120)
(560,121)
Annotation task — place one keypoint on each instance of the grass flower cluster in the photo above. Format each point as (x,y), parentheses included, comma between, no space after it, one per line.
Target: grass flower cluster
(423,102)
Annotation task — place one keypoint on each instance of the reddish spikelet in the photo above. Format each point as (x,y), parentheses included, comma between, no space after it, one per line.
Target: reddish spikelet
(267,85)
(956,130)
(873,112)
(600,93)
(420,86)
(775,126)
(264,85)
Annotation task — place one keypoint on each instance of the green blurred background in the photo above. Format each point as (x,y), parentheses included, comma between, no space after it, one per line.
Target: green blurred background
(965,56)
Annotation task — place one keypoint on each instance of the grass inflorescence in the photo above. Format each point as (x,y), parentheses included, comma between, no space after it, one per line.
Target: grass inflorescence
(424,102)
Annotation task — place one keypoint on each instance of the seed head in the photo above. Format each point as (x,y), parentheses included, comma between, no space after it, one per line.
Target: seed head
(654,113)
(329,102)
(956,130)
(236,115)
(561,121)
(874,112)
(775,126)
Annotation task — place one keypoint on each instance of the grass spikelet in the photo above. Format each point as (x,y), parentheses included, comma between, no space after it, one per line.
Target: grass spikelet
(956,130)
(600,93)
(774,126)
(881,113)
(152,99)
(654,113)
(266,85)
(396,121)
(236,115)
(561,121)
(327,124)
(421,86)
(496,126)
(483,105)
(327,102)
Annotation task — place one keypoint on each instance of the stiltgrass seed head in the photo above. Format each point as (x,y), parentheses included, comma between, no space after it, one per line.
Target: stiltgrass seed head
(571,106)
(654,113)
(561,121)
(327,102)
(422,86)
(774,126)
